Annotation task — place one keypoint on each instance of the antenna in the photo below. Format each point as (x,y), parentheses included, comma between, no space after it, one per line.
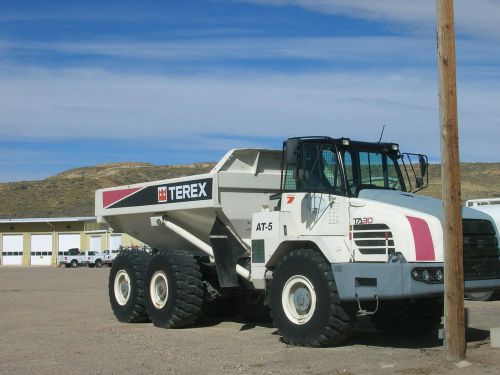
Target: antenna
(382,133)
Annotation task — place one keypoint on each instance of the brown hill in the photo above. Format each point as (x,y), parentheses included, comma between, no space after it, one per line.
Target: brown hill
(71,193)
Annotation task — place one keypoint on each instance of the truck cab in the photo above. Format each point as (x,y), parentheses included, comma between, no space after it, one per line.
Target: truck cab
(355,203)
(344,167)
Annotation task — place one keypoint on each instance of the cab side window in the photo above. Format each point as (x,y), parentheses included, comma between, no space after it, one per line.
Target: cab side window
(321,170)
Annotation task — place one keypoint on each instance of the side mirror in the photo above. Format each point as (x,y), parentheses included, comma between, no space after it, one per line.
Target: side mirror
(291,152)
(291,147)
(422,161)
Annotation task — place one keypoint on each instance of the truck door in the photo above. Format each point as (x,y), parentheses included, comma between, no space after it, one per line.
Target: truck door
(370,237)
(325,206)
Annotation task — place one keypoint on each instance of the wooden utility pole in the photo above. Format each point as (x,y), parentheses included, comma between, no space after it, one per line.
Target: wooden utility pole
(454,317)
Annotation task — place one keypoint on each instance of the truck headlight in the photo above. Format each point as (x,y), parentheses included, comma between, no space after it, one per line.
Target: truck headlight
(439,275)
(428,275)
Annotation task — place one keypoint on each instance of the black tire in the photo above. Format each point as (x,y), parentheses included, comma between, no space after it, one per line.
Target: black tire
(174,289)
(480,296)
(131,264)
(252,305)
(408,318)
(324,324)
(98,263)
(74,263)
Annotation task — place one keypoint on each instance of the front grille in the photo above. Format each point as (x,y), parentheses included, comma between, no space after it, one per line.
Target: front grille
(481,253)
(372,239)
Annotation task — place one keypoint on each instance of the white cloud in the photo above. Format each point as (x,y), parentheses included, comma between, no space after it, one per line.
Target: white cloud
(478,17)
(367,52)
(45,104)
(339,49)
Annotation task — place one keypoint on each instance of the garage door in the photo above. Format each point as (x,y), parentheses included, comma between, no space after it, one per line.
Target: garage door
(115,240)
(12,249)
(41,249)
(95,243)
(68,241)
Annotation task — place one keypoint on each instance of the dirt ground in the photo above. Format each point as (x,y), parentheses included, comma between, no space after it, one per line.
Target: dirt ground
(58,321)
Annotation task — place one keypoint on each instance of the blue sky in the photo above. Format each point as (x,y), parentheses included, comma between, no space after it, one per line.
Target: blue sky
(168,82)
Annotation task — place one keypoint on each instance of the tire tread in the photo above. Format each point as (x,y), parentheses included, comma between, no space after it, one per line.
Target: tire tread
(188,282)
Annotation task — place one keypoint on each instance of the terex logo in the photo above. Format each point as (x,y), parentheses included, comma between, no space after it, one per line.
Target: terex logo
(162,194)
(196,190)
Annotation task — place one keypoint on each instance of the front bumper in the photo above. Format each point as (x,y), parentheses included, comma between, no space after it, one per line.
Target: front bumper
(370,281)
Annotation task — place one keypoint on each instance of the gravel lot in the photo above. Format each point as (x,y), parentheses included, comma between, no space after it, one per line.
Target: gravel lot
(58,321)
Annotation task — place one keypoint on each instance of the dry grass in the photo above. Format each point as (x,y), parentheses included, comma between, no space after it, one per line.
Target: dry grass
(71,193)
(479,180)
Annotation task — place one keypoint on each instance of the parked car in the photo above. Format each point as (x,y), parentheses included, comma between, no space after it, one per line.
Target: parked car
(97,259)
(73,258)
(110,256)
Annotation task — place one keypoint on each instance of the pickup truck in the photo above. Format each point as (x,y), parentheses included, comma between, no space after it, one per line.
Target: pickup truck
(109,256)
(97,259)
(73,258)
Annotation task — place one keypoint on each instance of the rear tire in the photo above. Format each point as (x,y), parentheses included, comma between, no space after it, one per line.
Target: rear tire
(74,263)
(174,289)
(98,263)
(408,318)
(126,286)
(304,301)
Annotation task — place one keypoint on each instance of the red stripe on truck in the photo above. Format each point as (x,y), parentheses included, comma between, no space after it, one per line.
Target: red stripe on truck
(424,247)
(112,196)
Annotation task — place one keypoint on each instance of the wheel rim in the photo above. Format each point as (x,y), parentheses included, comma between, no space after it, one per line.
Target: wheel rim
(122,287)
(158,289)
(298,299)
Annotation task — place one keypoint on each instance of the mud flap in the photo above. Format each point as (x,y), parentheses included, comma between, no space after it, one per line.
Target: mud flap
(227,251)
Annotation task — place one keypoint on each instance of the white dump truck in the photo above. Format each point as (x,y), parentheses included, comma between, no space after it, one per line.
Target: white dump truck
(317,233)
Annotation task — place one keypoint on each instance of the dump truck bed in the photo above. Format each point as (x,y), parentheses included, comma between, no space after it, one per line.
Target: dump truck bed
(240,184)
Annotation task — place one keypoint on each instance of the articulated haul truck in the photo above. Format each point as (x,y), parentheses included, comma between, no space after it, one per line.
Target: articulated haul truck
(314,235)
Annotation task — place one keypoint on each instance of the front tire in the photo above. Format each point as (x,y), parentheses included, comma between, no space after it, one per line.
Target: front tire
(126,286)
(174,293)
(74,263)
(304,301)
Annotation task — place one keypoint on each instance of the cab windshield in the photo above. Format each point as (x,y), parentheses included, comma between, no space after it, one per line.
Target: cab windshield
(372,169)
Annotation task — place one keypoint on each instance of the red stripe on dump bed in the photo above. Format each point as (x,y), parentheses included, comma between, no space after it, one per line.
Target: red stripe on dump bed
(424,247)
(112,196)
